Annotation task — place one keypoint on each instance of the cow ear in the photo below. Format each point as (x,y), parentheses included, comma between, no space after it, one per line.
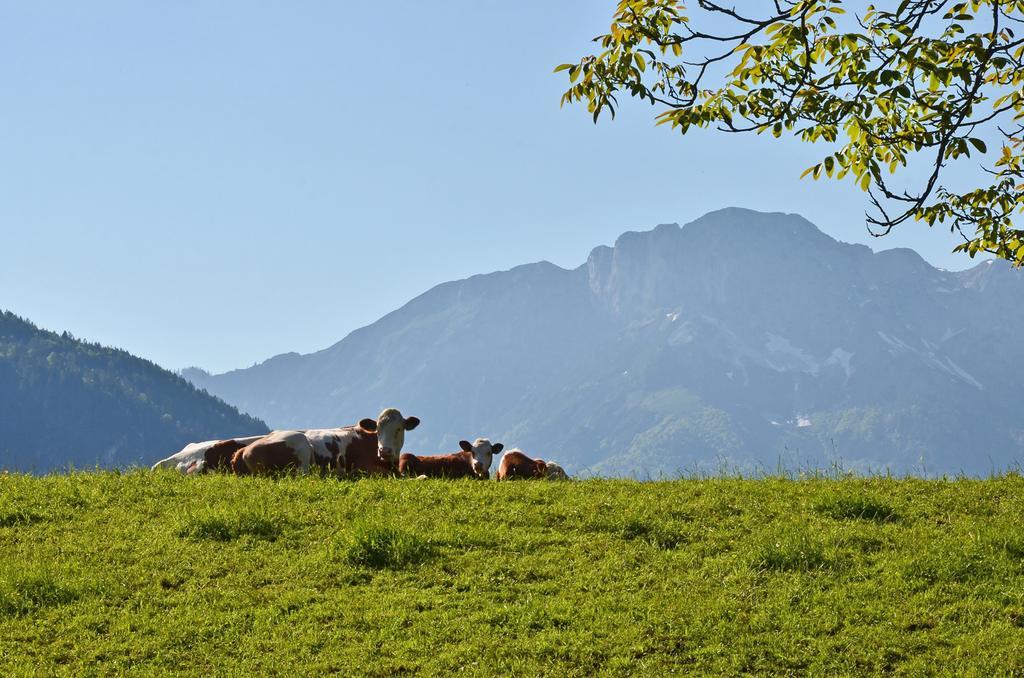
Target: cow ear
(496,448)
(411,423)
(542,467)
(466,445)
(368,425)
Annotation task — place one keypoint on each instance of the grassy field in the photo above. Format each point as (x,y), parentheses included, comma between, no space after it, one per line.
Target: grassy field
(145,573)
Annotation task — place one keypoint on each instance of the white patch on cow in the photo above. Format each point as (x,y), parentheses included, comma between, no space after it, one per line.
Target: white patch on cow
(189,455)
(194,454)
(321,438)
(391,427)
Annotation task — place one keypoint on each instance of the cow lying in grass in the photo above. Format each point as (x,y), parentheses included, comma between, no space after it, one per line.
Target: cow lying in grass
(210,455)
(474,461)
(516,465)
(371,447)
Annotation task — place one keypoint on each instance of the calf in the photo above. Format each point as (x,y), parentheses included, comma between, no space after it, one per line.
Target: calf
(210,455)
(516,465)
(474,461)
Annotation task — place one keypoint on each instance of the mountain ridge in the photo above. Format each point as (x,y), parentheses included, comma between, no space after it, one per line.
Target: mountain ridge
(682,346)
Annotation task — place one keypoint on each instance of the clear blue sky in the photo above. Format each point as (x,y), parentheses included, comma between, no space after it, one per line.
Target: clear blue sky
(212,183)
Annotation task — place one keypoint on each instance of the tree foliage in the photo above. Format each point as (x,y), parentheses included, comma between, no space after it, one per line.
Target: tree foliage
(919,84)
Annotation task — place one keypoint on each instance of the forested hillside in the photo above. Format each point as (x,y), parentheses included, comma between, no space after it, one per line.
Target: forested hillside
(65,402)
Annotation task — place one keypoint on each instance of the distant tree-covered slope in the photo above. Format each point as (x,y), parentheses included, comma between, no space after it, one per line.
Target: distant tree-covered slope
(65,402)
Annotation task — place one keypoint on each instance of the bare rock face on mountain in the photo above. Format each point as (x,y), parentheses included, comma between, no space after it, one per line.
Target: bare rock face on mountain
(740,341)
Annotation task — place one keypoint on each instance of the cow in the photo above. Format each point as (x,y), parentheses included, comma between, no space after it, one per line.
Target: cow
(377,447)
(352,450)
(372,447)
(516,465)
(209,455)
(474,461)
(276,452)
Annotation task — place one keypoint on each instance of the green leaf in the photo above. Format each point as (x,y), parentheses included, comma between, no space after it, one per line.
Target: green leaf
(887,96)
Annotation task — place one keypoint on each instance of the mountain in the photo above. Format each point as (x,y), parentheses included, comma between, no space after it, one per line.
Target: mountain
(64,402)
(742,340)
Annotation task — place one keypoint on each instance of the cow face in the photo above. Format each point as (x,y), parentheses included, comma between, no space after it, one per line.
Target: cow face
(390,428)
(483,452)
(553,471)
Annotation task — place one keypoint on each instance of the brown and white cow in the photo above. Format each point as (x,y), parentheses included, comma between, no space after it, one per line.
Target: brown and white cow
(209,455)
(276,452)
(516,465)
(474,461)
(372,447)
(376,448)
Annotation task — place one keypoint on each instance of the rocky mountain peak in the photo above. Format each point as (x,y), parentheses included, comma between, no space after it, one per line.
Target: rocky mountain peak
(740,336)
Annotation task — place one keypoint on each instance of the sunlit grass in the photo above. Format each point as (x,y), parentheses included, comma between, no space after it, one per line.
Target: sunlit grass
(154,573)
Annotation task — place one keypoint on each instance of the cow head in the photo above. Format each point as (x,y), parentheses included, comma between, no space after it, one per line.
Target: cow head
(483,452)
(390,428)
(553,471)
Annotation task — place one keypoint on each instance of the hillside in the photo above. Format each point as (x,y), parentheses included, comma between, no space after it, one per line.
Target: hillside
(743,340)
(149,574)
(65,402)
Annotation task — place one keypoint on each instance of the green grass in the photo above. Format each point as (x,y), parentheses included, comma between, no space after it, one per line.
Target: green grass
(147,574)
(857,507)
(230,523)
(378,547)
